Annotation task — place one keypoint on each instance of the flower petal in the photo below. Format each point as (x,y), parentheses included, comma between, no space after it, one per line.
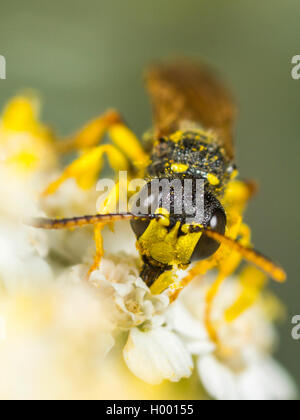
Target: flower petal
(218,380)
(156,355)
(267,380)
(185,324)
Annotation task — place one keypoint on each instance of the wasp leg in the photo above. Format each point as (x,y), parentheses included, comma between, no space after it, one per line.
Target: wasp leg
(252,282)
(225,260)
(108,206)
(227,263)
(99,249)
(209,300)
(199,269)
(237,195)
(86,168)
(126,141)
(91,134)
(112,123)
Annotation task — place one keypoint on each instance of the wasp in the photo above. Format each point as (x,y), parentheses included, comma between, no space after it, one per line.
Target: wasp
(192,138)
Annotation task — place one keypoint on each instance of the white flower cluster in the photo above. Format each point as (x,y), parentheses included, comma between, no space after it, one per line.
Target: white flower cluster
(164,340)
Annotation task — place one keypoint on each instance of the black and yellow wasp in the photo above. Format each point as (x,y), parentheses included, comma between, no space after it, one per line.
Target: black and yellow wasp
(194,116)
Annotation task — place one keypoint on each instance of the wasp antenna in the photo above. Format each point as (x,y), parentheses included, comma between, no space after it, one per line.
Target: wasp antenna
(76,222)
(251,255)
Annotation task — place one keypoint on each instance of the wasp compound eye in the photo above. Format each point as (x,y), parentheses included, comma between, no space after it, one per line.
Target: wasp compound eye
(158,193)
(144,202)
(139,226)
(206,246)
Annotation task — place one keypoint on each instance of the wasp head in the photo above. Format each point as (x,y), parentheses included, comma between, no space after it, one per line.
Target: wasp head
(177,237)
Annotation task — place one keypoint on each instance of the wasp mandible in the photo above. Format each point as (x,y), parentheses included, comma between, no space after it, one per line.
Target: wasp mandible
(192,137)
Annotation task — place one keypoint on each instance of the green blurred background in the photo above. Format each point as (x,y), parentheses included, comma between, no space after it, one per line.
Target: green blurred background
(86,56)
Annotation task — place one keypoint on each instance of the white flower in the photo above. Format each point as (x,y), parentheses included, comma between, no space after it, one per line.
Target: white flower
(162,338)
(118,277)
(157,355)
(189,329)
(263,379)
(152,352)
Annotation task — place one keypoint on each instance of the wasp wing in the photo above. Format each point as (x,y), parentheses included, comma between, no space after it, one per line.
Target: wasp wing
(184,92)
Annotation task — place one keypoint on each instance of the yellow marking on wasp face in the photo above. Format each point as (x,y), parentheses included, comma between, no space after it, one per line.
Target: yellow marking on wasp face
(164,221)
(179,167)
(166,246)
(186,228)
(213,179)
